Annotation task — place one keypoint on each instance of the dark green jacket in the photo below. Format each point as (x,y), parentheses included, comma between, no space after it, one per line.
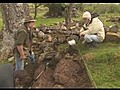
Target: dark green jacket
(23,37)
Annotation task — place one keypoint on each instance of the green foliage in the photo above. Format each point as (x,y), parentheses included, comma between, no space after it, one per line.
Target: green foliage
(80,7)
(102,8)
(55,9)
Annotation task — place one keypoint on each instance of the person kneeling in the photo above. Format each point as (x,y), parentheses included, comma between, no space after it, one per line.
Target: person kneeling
(92,30)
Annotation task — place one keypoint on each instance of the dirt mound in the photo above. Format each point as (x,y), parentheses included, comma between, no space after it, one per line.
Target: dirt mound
(69,72)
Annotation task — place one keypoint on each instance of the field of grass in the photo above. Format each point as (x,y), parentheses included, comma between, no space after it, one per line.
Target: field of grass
(104,67)
(48,21)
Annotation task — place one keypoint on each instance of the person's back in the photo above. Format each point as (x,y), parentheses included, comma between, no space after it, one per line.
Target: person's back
(97,27)
(6,76)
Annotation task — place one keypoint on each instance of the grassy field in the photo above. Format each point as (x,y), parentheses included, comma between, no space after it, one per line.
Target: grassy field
(104,66)
(48,21)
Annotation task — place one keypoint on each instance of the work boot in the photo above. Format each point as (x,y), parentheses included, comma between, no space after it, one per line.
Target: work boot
(94,44)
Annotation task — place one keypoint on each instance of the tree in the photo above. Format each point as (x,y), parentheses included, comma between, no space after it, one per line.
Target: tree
(13,15)
(36,5)
(80,7)
(55,9)
(68,13)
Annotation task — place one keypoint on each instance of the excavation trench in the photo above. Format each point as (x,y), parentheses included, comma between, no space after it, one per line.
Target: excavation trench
(64,69)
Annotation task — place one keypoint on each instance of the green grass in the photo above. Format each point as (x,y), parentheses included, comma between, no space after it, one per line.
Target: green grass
(48,21)
(104,68)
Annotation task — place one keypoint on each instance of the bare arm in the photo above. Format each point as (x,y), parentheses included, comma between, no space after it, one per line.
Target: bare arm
(22,54)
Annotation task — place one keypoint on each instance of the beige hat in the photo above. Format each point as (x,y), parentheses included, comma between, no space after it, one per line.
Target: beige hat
(29,20)
(87,15)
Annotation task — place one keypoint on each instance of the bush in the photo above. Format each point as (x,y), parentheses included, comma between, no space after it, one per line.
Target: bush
(55,9)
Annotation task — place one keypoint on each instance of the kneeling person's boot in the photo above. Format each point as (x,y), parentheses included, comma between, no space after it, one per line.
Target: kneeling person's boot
(90,44)
(86,44)
(94,44)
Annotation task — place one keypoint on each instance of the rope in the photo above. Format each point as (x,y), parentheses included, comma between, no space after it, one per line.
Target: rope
(89,74)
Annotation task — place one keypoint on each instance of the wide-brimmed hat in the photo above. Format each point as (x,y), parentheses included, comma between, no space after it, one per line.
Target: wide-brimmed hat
(29,20)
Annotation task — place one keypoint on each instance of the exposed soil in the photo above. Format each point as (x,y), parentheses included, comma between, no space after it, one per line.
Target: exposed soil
(67,72)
